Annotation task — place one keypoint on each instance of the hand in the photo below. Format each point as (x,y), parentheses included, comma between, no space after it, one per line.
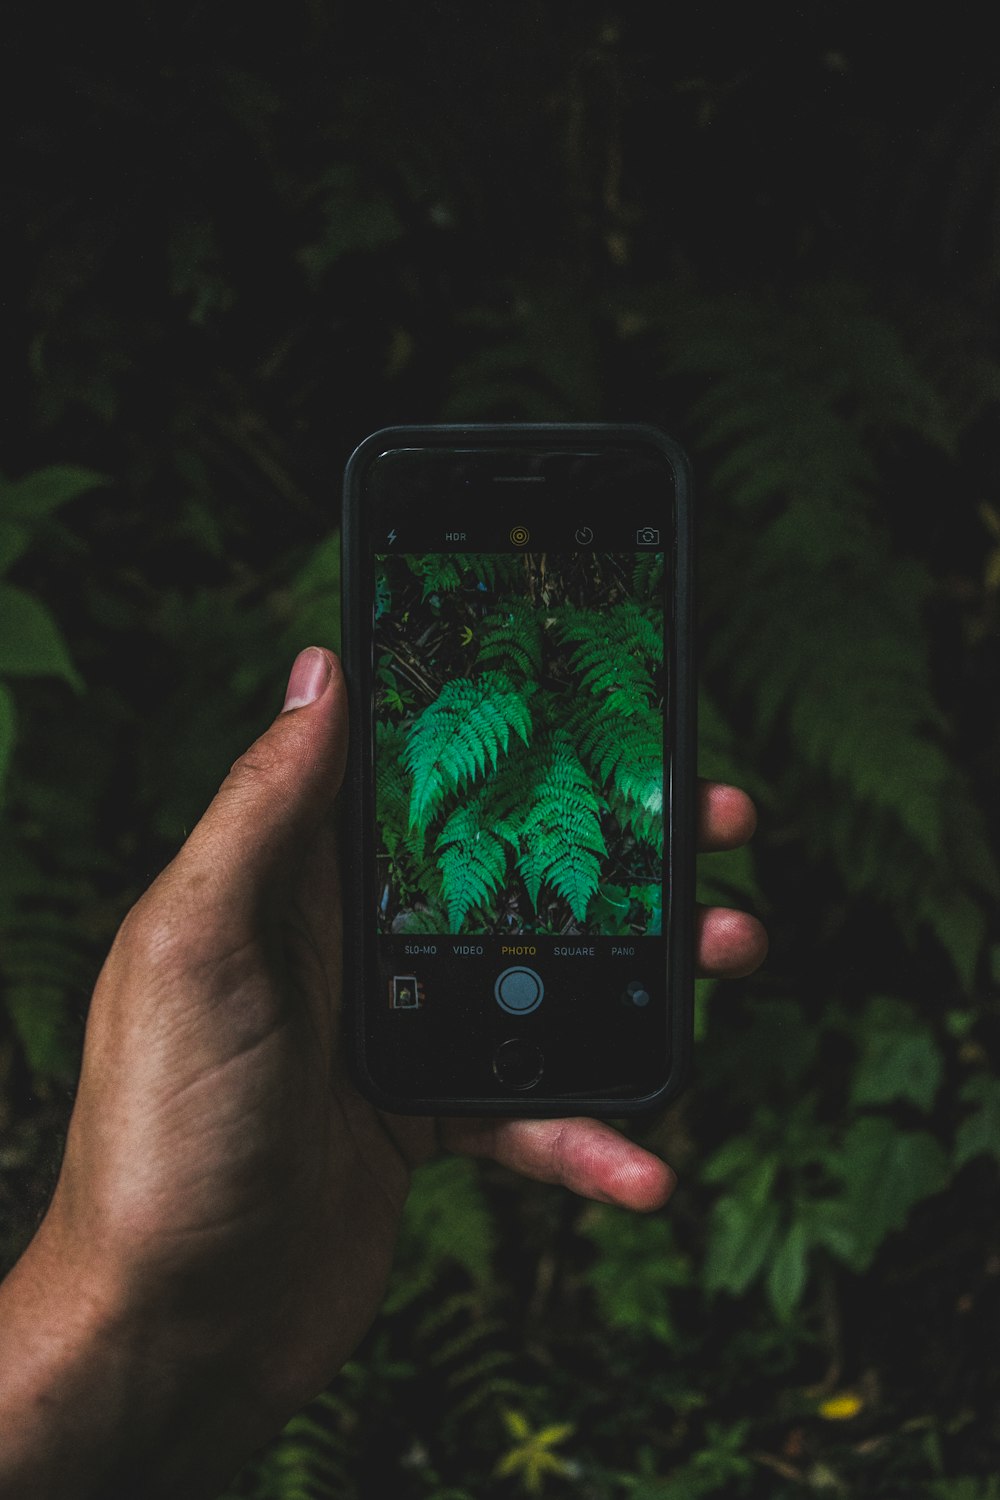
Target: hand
(224,1220)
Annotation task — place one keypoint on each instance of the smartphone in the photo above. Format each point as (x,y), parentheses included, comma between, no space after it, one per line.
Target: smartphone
(520,797)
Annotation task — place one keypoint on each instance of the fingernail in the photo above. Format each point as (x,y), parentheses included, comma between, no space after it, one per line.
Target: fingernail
(309,676)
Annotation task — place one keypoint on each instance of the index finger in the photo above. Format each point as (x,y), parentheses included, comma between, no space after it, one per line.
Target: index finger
(726,816)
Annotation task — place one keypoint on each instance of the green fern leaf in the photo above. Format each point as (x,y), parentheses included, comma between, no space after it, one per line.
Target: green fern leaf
(439,572)
(626,754)
(561,835)
(617,650)
(511,639)
(647,576)
(445,572)
(496,570)
(466,728)
(798,402)
(473,862)
(392,793)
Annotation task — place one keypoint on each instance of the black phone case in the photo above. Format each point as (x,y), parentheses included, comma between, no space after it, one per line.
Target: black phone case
(359,928)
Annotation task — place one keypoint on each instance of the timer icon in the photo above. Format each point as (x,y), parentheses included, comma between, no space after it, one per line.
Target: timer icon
(584,535)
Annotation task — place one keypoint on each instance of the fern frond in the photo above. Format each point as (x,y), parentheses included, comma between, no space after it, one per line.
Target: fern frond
(561,839)
(799,402)
(444,572)
(473,862)
(511,639)
(467,727)
(647,576)
(312,1457)
(617,650)
(447,1219)
(392,793)
(796,389)
(494,571)
(456,1339)
(625,753)
(439,572)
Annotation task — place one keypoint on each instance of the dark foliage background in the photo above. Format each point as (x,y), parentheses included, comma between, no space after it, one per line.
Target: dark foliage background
(238,239)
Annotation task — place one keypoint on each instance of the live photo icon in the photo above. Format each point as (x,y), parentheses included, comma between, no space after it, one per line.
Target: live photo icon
(405,993)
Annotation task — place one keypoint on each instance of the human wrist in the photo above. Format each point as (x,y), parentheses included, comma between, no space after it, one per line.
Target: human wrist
(104,1396)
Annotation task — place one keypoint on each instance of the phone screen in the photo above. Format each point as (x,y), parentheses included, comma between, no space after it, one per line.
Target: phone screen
(518,771)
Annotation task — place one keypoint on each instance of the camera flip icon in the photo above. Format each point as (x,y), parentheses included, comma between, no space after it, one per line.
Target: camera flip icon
(647,536)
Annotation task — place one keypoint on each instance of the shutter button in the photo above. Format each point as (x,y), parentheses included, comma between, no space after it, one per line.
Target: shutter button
(519,990)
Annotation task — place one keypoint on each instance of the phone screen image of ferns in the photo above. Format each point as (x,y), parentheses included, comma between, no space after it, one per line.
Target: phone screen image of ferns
(519,703)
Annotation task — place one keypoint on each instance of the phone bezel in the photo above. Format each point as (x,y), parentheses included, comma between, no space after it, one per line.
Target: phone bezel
(358,812)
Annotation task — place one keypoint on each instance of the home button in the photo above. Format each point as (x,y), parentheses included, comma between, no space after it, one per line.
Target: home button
(518,1063)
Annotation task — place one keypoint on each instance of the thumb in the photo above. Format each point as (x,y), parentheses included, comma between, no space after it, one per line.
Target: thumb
(276,795)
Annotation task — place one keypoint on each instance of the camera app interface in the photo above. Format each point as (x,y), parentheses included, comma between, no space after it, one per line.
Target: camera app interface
(519,702)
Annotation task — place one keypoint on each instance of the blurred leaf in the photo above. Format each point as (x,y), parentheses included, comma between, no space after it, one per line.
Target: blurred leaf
(14,541)
(31,644)
(959,922)
(728,878)
(38,1014)
(842,1407)
(966,1488)
(775,1051)
(797,403)
(722,755)
(885,1172)
(786,1278)
(44,491)
(356,217)
(979,1132)
(446,1221)
(637,1265)
(734,1158)
(8,732)
(742,1231)
(313,607)
(530,1457)
(899,1057)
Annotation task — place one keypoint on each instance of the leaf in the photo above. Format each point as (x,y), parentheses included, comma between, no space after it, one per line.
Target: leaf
(31,644)
(960,925)
(637,1267)
(795,420)
(473,862)
(8,733)
(44,491)
(511,639)
(742,1231)
(530,1457)
(842,1407)
(446,1219)
(885,1172)
(728,876)
(357,216)
(561,833)
(965,1488)
(466,728)
(617,650)
(735,1157)
(899,1057)
(38,1014)
(786,1278)
(14,541)
(979,1133)
(314,599)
